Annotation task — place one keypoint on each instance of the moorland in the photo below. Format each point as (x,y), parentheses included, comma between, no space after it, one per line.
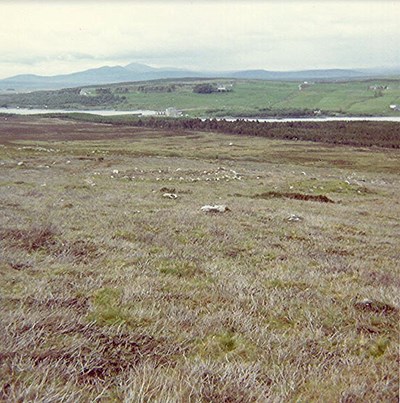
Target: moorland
(112,291)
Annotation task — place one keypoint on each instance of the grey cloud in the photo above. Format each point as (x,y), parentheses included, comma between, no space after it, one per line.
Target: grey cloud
(278,35)
(34,58)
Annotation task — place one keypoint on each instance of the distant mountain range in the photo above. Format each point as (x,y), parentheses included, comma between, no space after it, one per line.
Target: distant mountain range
(142,72)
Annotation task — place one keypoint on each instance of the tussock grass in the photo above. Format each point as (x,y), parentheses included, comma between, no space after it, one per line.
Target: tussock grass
(111,292)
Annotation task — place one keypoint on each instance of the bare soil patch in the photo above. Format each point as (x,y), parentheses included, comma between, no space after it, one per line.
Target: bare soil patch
(294,196)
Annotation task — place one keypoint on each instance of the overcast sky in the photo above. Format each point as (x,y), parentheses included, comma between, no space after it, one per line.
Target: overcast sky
(53,37)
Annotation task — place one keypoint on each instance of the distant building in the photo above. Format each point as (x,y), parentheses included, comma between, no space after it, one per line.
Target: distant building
(378,87)
(303,85)
(395,108)
(173,112)
(224,88)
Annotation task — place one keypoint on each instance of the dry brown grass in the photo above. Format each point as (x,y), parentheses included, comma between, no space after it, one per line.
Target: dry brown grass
(111,292)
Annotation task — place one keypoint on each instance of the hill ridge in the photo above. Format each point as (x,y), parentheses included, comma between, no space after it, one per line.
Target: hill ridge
(141,72)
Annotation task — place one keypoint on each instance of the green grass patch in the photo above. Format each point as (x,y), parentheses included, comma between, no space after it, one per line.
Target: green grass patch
(178,268)
(378,347)
(107,308)
(225,345)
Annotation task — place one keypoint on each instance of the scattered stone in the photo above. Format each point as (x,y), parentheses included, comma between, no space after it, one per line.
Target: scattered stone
(294,218)
(20,163)
(217,208)
(90,182)
(115,171)
(172,196)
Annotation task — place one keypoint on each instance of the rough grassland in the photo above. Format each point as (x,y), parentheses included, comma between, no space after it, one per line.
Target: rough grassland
(111,292)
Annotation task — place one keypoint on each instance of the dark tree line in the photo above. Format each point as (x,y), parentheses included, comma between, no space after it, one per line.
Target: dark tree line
(204,89)
(359,134)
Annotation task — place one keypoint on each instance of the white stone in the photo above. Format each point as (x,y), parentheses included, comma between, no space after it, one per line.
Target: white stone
(170,196)
(294,218)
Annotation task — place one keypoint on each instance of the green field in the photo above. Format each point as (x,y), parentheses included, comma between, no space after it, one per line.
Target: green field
(247,98)
(265,97)
(111,291)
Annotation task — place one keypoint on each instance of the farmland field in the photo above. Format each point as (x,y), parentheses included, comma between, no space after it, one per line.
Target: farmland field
(244,98)
(111,290)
